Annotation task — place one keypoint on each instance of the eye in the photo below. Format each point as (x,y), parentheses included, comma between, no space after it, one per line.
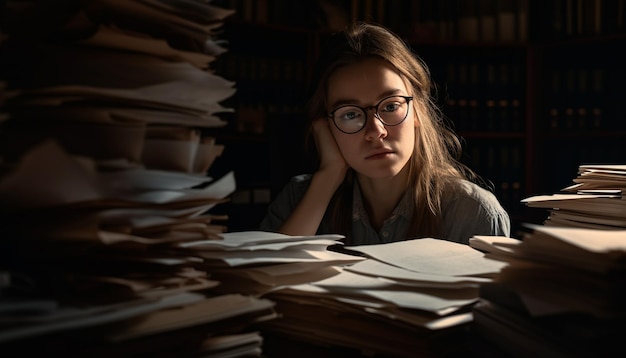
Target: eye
(391,106)
(348,114)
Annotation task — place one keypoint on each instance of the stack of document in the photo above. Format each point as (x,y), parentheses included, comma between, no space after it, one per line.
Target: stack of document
(257,262)
(104,168)
(119,80)
(405,299)
(562,291)
(560,295)
(596,200)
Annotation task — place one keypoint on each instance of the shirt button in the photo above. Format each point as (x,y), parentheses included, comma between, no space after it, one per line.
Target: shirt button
(385,234)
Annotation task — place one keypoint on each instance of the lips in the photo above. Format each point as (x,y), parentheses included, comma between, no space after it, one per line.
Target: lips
(379,153)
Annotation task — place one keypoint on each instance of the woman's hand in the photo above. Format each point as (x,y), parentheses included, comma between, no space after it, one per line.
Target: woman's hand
(332,161)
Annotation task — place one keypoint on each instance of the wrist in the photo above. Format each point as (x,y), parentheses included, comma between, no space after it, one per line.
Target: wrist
(330,177)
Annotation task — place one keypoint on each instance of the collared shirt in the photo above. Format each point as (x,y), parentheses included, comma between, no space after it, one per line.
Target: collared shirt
(393,227)
(467,210)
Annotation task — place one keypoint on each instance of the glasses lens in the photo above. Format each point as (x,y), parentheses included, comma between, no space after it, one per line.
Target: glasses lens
(349,119)
(393,110)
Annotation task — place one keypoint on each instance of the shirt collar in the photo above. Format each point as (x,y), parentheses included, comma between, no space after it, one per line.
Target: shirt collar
(358,209)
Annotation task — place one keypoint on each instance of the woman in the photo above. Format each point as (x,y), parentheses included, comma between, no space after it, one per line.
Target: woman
(388,167)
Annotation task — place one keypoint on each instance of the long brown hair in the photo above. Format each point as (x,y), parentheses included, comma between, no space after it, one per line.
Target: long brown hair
(437,150)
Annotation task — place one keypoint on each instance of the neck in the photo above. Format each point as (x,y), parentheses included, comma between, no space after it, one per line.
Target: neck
(382,195)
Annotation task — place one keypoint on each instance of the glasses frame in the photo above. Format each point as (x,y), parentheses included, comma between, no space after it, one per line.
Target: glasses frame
(365,110)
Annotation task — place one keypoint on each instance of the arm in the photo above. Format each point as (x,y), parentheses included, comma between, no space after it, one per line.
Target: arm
(308,214)
(473,211)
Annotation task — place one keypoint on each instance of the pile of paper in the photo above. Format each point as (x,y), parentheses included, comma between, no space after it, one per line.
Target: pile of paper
(256,262)
(561,294)
(596,200)
(563,289)
(103,170)
(405,299)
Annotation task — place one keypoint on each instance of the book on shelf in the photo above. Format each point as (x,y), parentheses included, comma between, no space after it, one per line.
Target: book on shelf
(449,20)
(468,21)
(483,96)
(577,98)
(501,164)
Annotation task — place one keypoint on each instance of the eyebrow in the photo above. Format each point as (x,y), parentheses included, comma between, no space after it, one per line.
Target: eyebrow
(351,101)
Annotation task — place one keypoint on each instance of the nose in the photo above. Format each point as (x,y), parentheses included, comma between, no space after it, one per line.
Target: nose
(374,127)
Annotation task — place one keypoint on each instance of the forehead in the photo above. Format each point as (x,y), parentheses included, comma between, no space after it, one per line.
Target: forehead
(364,82)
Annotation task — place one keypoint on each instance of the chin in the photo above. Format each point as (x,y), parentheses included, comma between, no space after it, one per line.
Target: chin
(380,173)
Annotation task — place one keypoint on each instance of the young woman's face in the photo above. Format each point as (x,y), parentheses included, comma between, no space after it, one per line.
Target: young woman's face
(377,150)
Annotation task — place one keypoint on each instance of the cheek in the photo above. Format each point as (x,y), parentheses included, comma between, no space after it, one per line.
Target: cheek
(407,136)
(407,128)
(348,146)
(345,144)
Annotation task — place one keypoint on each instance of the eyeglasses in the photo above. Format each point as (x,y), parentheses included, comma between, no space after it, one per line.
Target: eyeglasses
(391,111)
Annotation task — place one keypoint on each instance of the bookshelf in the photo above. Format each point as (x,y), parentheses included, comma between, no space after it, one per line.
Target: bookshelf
(533,88)
(270,64)
(583,107)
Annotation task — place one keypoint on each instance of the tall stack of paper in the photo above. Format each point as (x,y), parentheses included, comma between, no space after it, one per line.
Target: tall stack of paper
(103,168)
(596,199)
(404,299)
(561,294)
(563,289)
